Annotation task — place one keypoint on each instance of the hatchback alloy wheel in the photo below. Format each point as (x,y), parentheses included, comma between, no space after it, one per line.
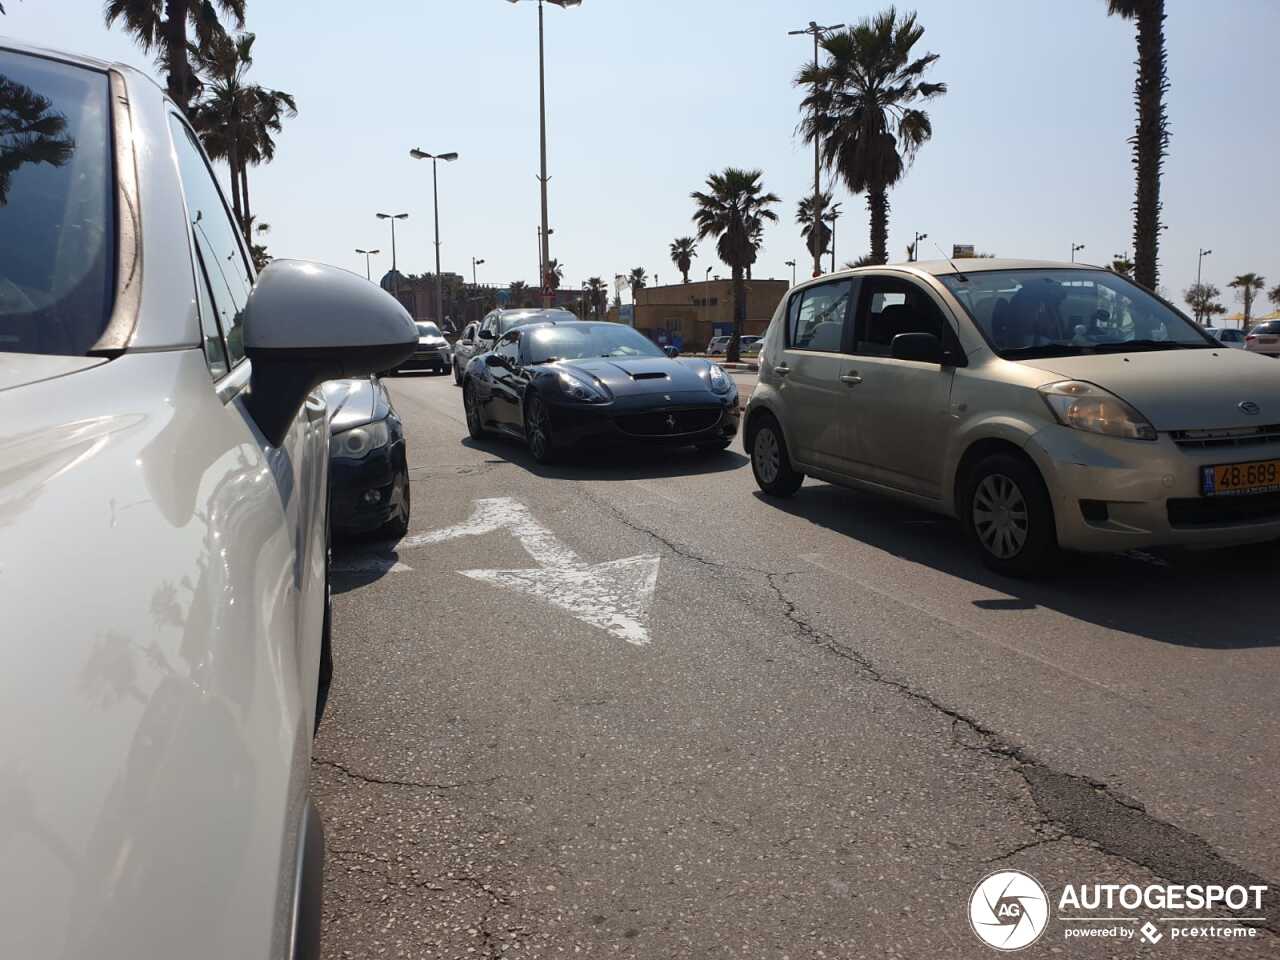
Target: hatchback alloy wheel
(765,455)
(1000,516)
(770,462)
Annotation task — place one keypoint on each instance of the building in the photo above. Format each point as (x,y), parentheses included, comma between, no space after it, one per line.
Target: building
(688,315)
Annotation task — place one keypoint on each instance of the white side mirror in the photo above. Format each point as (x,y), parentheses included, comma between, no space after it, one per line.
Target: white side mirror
(306,323)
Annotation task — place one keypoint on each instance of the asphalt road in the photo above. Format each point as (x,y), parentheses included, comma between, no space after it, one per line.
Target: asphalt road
(828,723)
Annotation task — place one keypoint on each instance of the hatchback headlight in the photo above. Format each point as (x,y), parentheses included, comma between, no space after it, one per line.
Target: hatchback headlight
(580,388)
(359,441)
(718,379)
(1085,406)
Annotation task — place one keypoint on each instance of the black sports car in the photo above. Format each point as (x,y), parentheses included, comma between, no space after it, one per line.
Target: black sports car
(561,383)
(368,468)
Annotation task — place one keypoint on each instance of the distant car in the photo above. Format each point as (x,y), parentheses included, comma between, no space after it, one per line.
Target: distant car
(719,346)
(1264,338)
(1227,336)
(164,559)
(495,323)
(555,384)
(464,348)
(368,466)
(753,348)
(433,351)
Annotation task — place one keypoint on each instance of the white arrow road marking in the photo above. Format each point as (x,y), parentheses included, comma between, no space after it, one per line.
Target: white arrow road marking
(614,596)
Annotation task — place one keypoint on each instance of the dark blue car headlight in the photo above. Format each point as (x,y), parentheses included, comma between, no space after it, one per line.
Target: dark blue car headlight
(582,389)
(718,380)
(356,443)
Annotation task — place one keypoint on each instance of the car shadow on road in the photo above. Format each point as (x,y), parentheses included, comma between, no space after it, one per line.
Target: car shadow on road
(360,561)
(613,463)
(1178,597)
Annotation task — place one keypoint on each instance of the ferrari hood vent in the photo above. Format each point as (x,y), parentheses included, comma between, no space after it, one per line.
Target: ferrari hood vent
(652,375)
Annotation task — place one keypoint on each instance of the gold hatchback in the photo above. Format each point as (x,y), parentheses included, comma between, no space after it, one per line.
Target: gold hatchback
(1045,405)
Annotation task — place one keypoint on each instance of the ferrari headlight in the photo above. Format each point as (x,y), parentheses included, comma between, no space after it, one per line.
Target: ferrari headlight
(1084,406)
(357,442)
(580,388)
(718,379)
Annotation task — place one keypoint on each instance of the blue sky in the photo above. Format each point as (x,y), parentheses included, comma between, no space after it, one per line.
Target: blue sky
(645,97)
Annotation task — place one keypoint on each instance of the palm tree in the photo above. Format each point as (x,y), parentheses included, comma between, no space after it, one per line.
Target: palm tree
(637,279)
(1202,298)
(31,131)
(519,293)
(1151,139)
(258,248)
(682,254)
(270,107)
(1247,286)
(818,241)
(1274,295)
(555,274)
(862,104)
(161,25)
(1122,266)
(830,217)
(866,260)
(734,209)
(596,292)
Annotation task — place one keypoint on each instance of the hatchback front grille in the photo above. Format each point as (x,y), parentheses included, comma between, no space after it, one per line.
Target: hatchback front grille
(668,423)
(1226,437)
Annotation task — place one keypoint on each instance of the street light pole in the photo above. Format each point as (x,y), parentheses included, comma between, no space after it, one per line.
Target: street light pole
(915,246)
(368,274)
(544,247)
(475,263)
(817,32)
(395,275)
(1199,294)
(435,200)
(792,265)
(1075,248)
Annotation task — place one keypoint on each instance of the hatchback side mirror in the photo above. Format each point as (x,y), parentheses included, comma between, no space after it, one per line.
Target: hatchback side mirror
(671,352)
(305,323)
(487,335)
(493,360)
(921,347)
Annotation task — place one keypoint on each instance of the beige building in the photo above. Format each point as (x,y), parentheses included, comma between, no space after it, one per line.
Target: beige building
(690,314)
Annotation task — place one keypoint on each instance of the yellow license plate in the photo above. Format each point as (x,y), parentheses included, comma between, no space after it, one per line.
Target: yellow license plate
(1233,479)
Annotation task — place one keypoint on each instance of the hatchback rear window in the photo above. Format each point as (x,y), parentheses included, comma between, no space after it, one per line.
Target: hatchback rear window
(57,206)
(1267,326)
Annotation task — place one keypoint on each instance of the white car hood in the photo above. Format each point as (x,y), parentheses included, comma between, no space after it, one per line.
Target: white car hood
(1182,389)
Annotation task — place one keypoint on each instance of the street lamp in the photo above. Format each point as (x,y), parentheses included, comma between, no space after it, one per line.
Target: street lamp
(475,263)
(367,254)
(792,265)
(435,200)
(1199,293)
(817,33)
(915,246)
(1075,248)
(395,276)
(545,245)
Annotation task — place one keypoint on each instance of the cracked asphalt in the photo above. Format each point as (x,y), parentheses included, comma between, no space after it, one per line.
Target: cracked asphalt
(841,723)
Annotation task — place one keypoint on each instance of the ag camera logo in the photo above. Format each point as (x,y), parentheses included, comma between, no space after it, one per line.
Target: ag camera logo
(1008,910)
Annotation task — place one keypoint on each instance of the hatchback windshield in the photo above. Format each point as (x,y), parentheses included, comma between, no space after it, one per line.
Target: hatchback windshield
(57,220)
(1040,313)
(582,340)
(427,329)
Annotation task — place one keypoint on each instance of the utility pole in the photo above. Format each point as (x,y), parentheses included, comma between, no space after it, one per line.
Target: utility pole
(817,33)
(1199,292)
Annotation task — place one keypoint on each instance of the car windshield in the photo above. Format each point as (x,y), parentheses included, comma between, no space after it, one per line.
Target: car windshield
(578,341)
(1055,312)
(57,206)
(428,330)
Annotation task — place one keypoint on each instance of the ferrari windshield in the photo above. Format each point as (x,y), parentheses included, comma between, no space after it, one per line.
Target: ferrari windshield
(1055,312)
(577,341)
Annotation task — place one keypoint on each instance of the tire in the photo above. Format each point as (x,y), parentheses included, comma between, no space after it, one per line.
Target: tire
(1007,513)
(537,429)
(719,446)
(398,526)
(457,374)
(770,461)
(324,678)
(471,404)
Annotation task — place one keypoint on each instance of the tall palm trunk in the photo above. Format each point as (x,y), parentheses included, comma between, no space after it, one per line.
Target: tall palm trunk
(233,161)
(733,354)
(175,39)
(247,221)
(1150,142)
(878,204)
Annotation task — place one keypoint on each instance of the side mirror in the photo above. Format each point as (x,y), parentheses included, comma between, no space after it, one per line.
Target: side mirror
(493,360)
(671,352)
(306,323)
(487,335)
(922,347)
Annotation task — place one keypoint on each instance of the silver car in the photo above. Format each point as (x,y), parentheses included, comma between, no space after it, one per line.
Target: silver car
(163,559)
(1045,405)
(1227,336)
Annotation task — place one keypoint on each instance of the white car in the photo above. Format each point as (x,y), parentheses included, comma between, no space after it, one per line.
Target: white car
(1227,336)
(1264,338)
(1044,405)
(718,346)
(163,548)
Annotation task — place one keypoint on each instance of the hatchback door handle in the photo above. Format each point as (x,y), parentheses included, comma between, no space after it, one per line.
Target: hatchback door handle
(851,378)
(782,369)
